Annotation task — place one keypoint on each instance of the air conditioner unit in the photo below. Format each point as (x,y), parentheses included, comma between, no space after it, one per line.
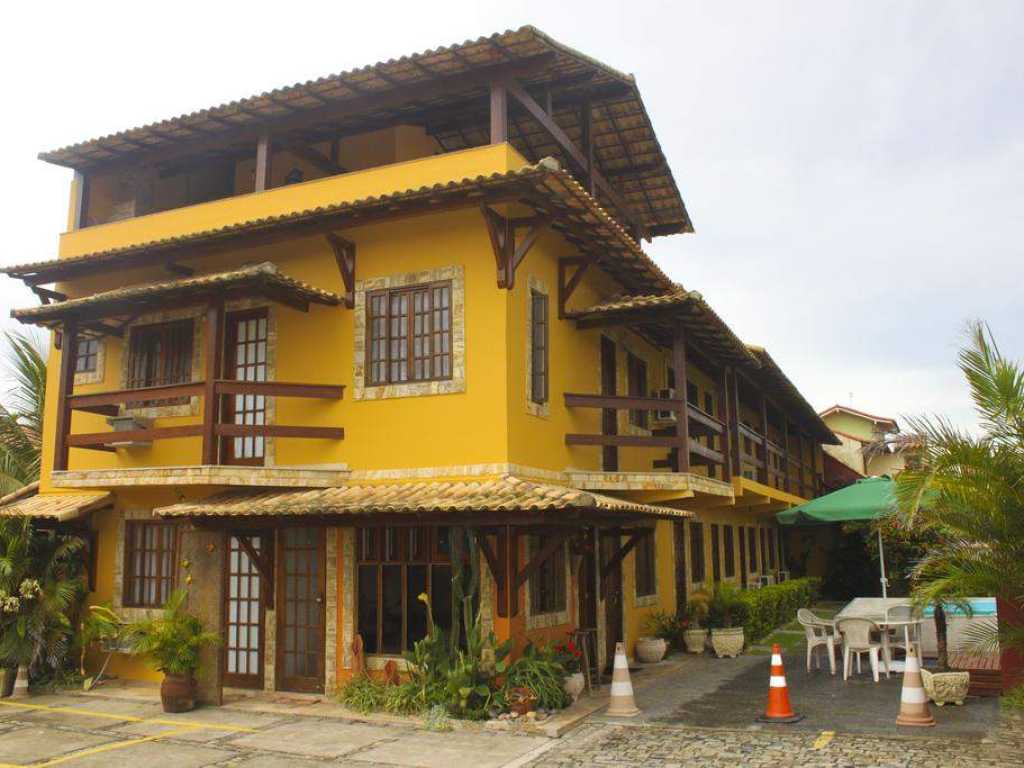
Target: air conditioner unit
(767,580)
(665,416)
(783,576)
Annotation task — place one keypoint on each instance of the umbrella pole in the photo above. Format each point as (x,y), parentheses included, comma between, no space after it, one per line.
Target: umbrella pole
(881,562)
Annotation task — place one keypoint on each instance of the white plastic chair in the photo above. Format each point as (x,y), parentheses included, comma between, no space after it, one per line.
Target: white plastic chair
(857,641)
(900,636)
(820,632)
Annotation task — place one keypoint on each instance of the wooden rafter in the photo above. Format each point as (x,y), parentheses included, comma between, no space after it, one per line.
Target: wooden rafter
(345,256)
(557,540)
(620,554)
(508,254)
(567,287)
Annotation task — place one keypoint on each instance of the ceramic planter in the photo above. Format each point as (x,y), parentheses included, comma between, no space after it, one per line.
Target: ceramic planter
(573,685)
(946,687)
(695,640)
(727,642)
(650,650)
(178,693)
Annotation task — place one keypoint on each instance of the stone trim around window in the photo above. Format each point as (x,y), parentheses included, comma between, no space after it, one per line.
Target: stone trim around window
(651,600)
(96,376)
(555,618)
(117,598)
(457,383)
(191,408)
(543,410)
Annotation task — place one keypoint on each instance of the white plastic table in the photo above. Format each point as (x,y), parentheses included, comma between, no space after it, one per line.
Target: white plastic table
(874,609)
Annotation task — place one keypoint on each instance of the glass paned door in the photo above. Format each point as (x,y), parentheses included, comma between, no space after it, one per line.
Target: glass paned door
(300,622)
(246,361)
(243,645)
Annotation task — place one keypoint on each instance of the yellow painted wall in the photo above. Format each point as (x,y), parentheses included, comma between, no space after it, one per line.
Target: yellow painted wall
(637,611)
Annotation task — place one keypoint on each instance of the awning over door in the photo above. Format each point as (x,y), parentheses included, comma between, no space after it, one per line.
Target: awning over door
(54,507)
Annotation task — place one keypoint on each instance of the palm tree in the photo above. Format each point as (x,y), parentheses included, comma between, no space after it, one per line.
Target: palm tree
(970,489)
(21,417)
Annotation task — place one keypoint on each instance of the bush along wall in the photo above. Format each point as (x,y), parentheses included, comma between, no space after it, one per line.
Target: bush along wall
(771,607)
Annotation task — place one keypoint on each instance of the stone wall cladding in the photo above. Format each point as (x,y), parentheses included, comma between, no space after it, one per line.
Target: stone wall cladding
(331,611)
(191,408)
(97,376)
(457,383)
(348,597)
(542,410)
(199,474)
(117,597)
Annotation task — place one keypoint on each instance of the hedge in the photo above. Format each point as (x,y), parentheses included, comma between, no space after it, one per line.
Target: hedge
(771,607)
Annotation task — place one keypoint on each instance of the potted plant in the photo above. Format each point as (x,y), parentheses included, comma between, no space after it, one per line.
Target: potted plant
(571,657)
(173,640)
(695,636)
(726,612)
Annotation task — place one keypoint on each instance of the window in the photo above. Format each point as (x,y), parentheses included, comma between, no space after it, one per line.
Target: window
(396,566)
(409,334)
(246,360)
(538,347)
(643,561)
(160,355)
(697,552)
(716,565)
(752,548)
(87,357)
(764,547)
(150,550)
(771,548)
(692,396)
(709,404)
(547,584)
(636,384)
(730,552)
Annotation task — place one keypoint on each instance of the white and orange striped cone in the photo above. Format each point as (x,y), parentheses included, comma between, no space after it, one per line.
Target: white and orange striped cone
(20,689)
(621,703)
(913,700)
(779,710)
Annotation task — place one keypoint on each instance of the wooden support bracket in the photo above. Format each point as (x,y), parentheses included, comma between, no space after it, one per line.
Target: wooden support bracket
(263,566)
(46,295)
(567,287)
(345,256)
(508,255)
(620,554)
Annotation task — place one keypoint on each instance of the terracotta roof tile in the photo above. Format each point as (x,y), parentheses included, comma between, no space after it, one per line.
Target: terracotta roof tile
(59,507)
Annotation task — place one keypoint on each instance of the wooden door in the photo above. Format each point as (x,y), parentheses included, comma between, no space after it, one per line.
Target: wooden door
(611,588)
(245,360)
(300,591)
(243,615)
(609,416)
(587,584)
(679,542)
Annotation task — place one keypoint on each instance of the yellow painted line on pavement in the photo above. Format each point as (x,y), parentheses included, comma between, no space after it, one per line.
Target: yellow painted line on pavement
(823,740)
(110,747)
(128,718)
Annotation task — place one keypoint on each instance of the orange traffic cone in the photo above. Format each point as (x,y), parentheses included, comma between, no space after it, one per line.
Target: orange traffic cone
(779,709)
(621,703)
(913,701)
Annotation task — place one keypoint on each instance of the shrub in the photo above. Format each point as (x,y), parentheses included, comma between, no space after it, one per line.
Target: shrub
(727,608)
(363,694)
(770,607)
(538,670)
(173,639)
(668,626)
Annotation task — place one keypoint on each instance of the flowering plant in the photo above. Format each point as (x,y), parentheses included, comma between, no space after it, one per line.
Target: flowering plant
(569,656)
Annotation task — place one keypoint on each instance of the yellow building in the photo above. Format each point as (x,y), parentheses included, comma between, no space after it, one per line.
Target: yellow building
(301,338)
(868,444)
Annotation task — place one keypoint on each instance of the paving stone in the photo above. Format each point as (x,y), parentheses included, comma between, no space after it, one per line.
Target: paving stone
(423,749)
(311,737)
(223,719)
(153,753)
(30,744)
(91,713)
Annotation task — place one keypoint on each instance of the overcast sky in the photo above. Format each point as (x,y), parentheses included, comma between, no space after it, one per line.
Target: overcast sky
(854,171)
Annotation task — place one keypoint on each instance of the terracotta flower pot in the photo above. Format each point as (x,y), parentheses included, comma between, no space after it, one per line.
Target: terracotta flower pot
(521,700)
(178,693)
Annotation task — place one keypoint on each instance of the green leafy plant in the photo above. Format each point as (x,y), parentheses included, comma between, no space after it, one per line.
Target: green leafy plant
(773,606)
(697,605)
(437,719)
(21,419)
(363,694)
(173,640)
(727,608)
(539,671)
(104,627)
(668,626)
(40,593)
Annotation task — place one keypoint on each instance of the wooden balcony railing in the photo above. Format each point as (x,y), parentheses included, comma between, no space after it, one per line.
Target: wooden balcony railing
(211,428)
(670,437)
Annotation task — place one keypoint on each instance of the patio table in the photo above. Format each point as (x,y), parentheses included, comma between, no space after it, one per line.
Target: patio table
(874,609)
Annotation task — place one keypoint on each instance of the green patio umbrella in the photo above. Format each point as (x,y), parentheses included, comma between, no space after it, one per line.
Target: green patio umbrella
(866,499)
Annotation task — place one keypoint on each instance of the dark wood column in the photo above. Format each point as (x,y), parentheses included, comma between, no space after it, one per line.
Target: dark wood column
(214,364)
(80,212)
(65,388)
(263,152)
(785,454)
(725,411)
(499,113)
(683,420)
(587,140)
(764,438)
(734,422)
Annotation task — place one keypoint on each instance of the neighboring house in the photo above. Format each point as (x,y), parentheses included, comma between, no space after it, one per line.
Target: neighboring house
(868,445)
(298,336)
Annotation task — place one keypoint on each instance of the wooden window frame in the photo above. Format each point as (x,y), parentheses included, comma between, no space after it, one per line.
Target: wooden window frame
(232,319)
(165,377)
(430,555)
(165,584)
(752,549)
(547,585)
(645,568)
(428,333)
(729,545)
(636,386)
(93,356)
(698,566)
(716,560)
(540,375)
